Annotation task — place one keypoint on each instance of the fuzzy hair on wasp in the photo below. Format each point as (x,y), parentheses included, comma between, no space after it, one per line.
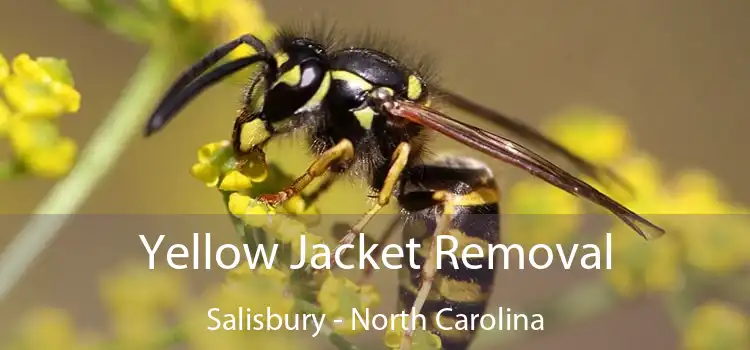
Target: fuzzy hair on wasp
(366,113)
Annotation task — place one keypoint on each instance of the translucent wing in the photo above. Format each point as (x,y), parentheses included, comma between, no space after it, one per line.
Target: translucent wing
(526,132)
(519,156)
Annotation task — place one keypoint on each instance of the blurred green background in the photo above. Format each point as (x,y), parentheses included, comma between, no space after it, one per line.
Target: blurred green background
(676,71)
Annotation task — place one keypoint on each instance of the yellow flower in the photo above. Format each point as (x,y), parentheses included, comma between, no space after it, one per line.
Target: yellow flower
(41,88)
(206,173)
(299,208)
(287,229)
(211,157)
(338,296)
(270,285)
(231,18)
(421,339)
(713,234)
(6,115)
(53,329)
(254,166)
(138,329)
(215,161)
(38,144)
(639,266)
(198,10)
(138,299)
(697,192)
(643,173)
(50,329)
(134,289)
(717,326)
(4,69)
(252,290)
(239,17)
(541,213)
(53,161)
(716,243)
(284,228)
(37,91)
(597,136)
(209,151)
(250,211)
(295,205)
(235,181)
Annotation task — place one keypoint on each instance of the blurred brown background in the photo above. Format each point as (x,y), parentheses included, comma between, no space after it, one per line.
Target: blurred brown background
(677,70)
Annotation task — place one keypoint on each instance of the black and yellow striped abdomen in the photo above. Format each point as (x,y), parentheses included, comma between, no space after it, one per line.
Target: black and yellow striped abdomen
(457,289)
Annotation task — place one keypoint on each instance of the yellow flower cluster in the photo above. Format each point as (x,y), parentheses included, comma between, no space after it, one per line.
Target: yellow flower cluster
(138,301)
(339,296)
(595,135)
(216,163)
(232,18)
(717,326)
(52,329)
(244,288)
(218,168)
(540,214)
(704,232)
(36,93)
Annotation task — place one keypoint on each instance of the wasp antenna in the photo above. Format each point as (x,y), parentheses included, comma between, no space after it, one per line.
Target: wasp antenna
(175,95)
(169,108)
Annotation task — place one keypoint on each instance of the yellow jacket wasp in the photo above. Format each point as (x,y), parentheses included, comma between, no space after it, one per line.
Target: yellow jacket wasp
(366,113)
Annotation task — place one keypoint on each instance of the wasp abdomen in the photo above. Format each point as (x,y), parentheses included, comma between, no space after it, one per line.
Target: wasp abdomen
(461,287)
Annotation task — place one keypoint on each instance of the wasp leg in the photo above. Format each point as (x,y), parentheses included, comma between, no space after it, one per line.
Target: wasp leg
(398,163)
(341,152)
(429,269)
(312,197)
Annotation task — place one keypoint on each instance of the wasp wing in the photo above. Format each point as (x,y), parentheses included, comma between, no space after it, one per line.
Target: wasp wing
(517,155)
(529,133)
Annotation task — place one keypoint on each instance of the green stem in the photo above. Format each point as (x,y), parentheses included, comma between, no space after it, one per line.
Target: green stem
(99,157)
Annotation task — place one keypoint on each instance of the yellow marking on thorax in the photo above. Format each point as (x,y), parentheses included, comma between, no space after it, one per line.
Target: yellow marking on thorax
(414,88)
(253,134)
(365,117)
(351,78)
(291,77)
